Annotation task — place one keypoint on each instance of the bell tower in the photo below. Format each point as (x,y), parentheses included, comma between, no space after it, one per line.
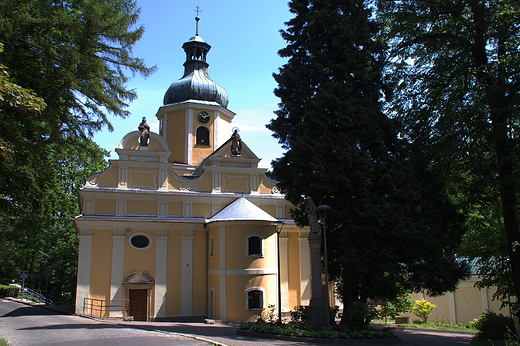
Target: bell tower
(194,119)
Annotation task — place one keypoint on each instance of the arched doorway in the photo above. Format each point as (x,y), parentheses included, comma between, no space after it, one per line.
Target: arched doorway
(138,289)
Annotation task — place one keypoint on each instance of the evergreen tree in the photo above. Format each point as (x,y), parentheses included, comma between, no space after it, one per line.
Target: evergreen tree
(456,72)
(74,55)
(344,151)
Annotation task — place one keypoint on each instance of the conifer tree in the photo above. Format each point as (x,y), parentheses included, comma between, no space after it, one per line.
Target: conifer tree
(344,151)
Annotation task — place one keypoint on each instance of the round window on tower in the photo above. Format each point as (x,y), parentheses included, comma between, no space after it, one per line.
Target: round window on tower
(140,241)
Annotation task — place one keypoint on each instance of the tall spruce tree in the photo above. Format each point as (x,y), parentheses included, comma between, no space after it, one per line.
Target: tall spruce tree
(343,150)
(456,72)
(74,55)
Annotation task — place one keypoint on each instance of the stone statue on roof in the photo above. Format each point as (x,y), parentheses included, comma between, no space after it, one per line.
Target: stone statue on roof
(145,133)
(236,143)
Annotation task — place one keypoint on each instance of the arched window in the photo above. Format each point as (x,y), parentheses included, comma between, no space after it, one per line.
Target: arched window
(202,136)
(255,299)
(254,246)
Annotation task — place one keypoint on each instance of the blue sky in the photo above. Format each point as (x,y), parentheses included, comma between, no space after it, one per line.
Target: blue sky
(244,38)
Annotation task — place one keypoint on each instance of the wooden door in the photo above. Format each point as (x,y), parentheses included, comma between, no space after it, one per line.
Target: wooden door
(138,304)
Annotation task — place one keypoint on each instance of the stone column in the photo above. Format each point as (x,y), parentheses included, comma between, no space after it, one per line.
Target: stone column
(317,303)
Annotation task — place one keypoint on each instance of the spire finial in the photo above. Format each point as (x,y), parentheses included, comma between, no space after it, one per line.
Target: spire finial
(197,9)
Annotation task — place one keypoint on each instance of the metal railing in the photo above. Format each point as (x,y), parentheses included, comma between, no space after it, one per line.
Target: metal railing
(115,308)
(30,293)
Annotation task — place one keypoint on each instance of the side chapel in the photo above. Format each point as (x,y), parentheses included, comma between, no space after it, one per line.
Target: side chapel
(184,224)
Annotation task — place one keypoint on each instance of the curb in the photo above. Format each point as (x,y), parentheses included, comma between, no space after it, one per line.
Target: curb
(393,341)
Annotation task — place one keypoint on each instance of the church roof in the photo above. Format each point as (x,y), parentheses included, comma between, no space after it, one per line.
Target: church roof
(196,83)
(242,210)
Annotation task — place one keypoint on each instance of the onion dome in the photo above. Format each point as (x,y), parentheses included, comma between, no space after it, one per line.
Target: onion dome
(196,83)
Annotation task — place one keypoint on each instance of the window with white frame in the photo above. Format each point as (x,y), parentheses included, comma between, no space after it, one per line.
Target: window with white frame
(255,299)
(255,246)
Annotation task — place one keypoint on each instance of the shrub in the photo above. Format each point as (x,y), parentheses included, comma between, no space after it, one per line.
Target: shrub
(494,326)
(359,316)
(423,309)
(402,304)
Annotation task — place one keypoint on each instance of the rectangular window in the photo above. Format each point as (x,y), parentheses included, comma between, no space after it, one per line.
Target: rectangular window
(255,299)
(254,246)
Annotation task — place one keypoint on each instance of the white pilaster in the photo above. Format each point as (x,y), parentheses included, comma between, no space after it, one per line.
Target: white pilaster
(84,260)
(305,269)
(222,267)
(161,251)
(189,135)
(118,258)
(453,311)
(187,273)
(216,127)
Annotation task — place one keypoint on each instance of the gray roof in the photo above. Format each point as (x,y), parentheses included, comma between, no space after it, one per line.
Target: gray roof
(242,210)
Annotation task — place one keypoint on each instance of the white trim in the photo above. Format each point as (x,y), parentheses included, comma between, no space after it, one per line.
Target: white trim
(484,296)
(261,245)
(84,262)
(216,128)
(161,265)
(187,273)
(143,234)
(189,136)
(222,277)
(263,297)
(258,271)
(453,312)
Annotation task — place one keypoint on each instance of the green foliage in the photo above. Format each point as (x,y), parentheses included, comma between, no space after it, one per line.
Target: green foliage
(301,330)
(15,97)
(423,309)
(359,316)
(38,189)
(494,326)
(401,304)
(75,56)
(454,69)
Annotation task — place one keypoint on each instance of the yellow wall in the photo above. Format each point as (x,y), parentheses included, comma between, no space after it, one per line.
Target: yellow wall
(265,186)
(202,209)
(270,209)
(293,255)
(134,207)
(236,246)
(173,299)
(104,206)
(101,264)
(206,183)
(140,260)
(199,272)
(109,177)
(175,208)
(175,131)
(236,287)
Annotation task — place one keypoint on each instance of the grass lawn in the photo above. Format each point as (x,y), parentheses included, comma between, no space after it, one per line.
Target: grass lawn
(3,342)
(428,325)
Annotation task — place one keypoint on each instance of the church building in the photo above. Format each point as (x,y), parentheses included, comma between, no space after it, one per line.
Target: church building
(184,225)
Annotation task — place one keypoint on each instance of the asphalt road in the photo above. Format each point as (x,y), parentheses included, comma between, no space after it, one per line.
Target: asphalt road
(30,325)
(23,325)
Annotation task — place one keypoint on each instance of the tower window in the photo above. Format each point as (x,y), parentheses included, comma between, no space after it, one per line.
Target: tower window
(202,136)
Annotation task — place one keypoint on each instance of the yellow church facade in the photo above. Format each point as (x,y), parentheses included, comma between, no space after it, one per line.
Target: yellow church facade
(184,225)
